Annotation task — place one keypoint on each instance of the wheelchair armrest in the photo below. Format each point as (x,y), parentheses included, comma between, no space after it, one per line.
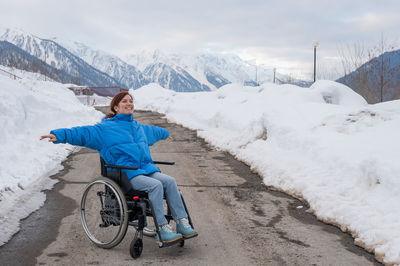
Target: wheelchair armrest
(160,162)
(135,168)
(120,167)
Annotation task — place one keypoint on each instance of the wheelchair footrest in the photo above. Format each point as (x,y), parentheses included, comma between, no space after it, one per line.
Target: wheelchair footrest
(171,243)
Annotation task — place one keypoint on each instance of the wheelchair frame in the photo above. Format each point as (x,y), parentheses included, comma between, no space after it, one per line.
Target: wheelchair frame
(120,206)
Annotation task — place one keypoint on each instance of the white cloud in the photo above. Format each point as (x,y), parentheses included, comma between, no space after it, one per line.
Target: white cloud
(274,33)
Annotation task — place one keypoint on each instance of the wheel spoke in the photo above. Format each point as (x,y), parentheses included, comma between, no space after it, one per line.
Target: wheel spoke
(104,213)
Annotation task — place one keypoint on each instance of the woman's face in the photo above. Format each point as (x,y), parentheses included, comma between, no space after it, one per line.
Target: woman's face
(125,106)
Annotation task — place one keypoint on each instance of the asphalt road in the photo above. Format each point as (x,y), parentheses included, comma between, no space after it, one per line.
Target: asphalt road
(239,220)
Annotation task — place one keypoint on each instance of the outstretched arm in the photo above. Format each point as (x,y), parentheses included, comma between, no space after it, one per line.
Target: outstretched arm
(86,136)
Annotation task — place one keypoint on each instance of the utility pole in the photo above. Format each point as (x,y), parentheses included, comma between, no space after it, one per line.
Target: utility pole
(274,74)
(45,57)
(315,44)
(256,71)
(382,51)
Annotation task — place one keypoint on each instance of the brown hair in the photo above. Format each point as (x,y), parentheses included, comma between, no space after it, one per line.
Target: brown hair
(115,101)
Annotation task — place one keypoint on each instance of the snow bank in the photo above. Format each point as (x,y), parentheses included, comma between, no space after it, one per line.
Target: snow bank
(323,144)
(29,109)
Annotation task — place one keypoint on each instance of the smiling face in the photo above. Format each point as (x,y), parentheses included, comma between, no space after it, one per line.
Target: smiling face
(125,106)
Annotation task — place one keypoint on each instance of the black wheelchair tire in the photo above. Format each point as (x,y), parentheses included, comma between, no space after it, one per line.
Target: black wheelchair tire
(136,248)
(123,226)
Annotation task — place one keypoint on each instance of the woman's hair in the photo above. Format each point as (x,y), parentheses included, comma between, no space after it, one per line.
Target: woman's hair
(115,101)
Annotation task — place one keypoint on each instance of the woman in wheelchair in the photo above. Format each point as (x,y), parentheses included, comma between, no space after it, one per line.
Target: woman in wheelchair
(122,141)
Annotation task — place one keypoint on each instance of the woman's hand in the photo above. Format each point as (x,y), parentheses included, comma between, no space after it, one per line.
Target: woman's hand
(51,137)
(170,138)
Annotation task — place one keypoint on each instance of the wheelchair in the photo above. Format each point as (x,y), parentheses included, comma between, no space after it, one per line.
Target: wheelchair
(109,205)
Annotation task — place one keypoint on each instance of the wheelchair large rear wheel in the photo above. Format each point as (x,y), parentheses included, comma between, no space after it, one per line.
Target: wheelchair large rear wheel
(104,212)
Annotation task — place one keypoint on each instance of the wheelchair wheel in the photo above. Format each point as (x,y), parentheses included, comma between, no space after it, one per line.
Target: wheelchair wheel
(136,248)
(104,212)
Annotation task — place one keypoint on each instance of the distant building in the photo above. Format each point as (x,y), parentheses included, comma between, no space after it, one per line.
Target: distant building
(81,90)
(101,91)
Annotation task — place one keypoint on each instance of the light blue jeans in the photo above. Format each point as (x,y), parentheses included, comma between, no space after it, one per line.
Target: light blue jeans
(155,184)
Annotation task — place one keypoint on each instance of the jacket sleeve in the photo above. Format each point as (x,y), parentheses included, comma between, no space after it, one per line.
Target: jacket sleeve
(154,134)
(86,136)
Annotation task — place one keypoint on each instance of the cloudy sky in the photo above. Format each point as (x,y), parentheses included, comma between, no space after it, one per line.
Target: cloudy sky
(274,33)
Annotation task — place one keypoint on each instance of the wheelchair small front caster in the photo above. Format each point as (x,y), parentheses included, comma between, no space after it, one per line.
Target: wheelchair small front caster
(136,248)
(182,243)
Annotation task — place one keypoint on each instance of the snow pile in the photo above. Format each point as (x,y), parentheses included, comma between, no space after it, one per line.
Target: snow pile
(22,73)
(323,144)
(29,109)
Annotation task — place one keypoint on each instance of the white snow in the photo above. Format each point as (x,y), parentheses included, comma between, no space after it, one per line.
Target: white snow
(229,66)
(6,71)
(31,108)
(323,144)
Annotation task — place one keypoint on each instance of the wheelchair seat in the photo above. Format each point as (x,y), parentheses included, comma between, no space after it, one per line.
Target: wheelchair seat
(121,179)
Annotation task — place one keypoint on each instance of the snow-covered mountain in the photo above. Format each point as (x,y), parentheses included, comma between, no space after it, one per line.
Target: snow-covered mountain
(58,57)
(163,72)
(124,73)
(179,72)
(14,57)
(176,70)
(216,69)
(211,69)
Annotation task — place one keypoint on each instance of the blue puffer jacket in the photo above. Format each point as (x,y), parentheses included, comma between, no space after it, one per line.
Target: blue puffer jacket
(120,140)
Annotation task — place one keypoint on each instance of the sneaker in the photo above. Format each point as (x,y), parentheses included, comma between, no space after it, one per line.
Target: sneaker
(183,227)
(146,231)
(167,235)
(149,232)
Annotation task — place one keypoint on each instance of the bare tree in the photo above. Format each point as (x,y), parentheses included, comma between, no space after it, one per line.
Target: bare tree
(288,79)
(367,70)
(353,56)
(326,71)
(385,70)
(11,61)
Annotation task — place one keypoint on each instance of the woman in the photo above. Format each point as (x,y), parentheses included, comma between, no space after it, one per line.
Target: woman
(121,140)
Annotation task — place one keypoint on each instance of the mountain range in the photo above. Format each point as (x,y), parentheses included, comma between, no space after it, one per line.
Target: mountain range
(11,55)
(83,65)
(74,62)
(60,58)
